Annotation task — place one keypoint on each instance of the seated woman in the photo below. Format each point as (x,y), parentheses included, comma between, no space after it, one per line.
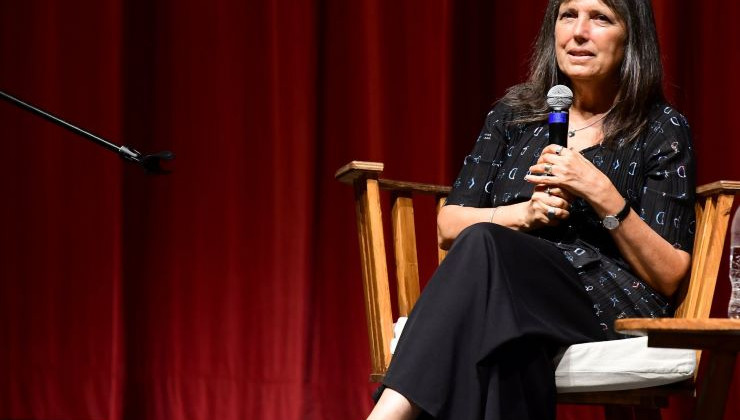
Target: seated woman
(549,245)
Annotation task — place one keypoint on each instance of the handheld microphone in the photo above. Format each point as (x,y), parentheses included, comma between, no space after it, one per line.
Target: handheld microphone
(559,99)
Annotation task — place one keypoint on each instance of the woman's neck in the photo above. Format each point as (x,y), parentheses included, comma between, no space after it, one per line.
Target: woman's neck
(593,98)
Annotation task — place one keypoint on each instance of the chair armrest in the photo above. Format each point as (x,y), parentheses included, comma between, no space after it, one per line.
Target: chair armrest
(721,187)
(711,333)
(357,169)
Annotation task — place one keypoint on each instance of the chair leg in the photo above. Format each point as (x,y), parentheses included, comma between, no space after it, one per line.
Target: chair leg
(642,413)
(618,412)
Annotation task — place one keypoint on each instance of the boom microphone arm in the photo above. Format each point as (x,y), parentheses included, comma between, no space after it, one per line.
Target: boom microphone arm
(148,162)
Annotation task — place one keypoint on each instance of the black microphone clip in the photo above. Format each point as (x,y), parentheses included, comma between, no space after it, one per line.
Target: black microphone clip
(151,163)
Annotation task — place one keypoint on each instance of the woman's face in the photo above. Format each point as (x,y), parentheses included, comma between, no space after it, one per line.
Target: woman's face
(589,40)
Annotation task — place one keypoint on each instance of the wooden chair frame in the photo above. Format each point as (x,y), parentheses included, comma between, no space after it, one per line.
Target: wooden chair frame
(714,202)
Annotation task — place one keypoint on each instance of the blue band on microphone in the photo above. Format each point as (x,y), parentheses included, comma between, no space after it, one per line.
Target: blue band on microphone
(558,118)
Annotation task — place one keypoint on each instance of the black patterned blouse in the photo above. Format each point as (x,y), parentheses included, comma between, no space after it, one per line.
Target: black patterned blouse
(655,173)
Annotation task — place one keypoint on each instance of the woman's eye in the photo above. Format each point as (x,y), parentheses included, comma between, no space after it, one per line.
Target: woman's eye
(567,15)
(603,18)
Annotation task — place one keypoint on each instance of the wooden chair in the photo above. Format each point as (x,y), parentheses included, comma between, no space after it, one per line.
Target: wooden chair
(714,202)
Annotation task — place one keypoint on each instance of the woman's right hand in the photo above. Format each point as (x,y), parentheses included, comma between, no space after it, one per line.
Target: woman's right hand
(547,207)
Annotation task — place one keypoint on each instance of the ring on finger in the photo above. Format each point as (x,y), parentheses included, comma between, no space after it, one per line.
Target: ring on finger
(548,191)
(559,150)
(550,212)
(548,169)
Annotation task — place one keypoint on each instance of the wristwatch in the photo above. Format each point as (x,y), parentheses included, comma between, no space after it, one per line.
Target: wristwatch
(612,221)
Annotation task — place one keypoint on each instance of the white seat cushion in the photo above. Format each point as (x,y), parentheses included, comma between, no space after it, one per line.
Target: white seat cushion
(397,330)
(621,364)
(612,365)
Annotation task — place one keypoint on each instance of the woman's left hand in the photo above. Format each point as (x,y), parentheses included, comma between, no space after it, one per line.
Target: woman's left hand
(565,168)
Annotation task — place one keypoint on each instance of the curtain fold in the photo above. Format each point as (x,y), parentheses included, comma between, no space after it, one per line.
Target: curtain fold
(231,287)
(60,244)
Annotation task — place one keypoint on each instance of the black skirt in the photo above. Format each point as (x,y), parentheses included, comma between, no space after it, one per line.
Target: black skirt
(480,341)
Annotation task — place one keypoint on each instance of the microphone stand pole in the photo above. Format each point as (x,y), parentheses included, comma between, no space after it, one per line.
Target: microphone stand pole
(149,162)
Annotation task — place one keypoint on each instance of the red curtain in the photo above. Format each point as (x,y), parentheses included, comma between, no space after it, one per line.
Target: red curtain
(230,289)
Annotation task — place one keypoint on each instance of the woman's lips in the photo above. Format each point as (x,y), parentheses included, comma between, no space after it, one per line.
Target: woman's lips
(580,56)
(581,53)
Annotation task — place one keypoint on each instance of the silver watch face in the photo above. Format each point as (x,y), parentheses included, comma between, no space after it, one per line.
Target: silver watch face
(610,222)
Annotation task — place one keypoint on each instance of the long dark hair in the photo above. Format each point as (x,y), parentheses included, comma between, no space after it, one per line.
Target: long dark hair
(640,76)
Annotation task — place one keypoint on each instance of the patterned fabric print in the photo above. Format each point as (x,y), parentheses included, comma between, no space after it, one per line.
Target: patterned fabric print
(655,173)
(482,164)
(615,291)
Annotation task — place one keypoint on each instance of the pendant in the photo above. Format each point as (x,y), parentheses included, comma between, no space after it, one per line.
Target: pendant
(571,133)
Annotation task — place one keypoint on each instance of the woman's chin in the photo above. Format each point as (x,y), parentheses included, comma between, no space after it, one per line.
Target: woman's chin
(583,76)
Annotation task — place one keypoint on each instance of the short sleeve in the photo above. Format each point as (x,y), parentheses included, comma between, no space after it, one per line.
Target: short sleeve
(473,185)
(667,202)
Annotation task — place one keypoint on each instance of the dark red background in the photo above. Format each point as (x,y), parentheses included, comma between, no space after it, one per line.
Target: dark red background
(231,288)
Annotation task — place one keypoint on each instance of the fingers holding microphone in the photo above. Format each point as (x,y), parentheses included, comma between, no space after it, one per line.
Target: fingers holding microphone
(569,170)
(554,204)
(551,164)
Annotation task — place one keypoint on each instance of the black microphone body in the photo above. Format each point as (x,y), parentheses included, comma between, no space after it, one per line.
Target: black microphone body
(558,126)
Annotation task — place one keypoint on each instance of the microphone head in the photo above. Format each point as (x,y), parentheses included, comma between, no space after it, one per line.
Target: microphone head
(559,98)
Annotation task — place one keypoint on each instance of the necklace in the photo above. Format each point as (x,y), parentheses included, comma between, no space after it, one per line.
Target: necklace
(572,133)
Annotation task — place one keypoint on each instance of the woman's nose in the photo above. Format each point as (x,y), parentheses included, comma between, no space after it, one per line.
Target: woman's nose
(581,29)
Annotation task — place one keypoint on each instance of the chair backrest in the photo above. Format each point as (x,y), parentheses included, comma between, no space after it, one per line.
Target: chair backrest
(714,202)
(713,206)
